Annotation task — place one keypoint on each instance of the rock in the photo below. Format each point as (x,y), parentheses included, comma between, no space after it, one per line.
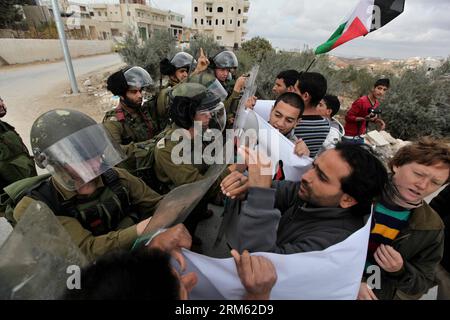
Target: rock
(87,83)
(387,136)
(377,139)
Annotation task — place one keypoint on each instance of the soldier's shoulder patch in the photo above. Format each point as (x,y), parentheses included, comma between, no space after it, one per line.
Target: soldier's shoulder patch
(112,118)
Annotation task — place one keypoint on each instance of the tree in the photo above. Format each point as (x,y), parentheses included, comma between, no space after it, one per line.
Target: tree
(257,48)
(148,54)
(417,105)
(10,12)
(209,45)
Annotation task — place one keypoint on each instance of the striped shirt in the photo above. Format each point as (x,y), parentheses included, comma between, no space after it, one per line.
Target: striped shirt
(313,130)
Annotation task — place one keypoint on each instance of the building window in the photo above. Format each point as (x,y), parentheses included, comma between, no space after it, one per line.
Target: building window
(232,8)
(219,38)
(196,9)
(239,11)
(219,9)
(195,20)
(91,14)
(201,22)
(239,23)
(217,22)
(231,21)
(223,22)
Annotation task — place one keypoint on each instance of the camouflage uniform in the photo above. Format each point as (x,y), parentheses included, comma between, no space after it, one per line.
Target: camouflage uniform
(126,127)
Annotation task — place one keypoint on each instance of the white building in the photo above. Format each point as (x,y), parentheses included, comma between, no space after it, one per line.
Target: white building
(224,20)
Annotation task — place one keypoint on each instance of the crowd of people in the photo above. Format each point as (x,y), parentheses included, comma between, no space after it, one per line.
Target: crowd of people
(106,179)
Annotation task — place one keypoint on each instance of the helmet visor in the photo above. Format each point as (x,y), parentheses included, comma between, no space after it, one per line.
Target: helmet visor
(138,77)
(81,157)
(213,118)
(217,88)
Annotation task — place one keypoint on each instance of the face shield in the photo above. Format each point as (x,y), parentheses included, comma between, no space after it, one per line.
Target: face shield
(81,157)
(212,118)
(217,88)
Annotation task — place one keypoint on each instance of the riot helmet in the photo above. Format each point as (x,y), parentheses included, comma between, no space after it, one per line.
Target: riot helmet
(130,78)
(224,60)
(210,81)
(181,60)
(73,147)
(194,102)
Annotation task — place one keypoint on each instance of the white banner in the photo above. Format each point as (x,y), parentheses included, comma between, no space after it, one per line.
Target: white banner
(331,274)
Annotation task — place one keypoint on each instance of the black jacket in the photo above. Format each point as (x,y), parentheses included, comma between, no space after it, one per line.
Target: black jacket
(441,204)
(277,220)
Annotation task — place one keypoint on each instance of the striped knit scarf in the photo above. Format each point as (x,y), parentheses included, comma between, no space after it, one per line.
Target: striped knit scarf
(391,215)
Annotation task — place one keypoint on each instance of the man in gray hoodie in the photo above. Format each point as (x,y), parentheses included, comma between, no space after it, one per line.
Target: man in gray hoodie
(331,202)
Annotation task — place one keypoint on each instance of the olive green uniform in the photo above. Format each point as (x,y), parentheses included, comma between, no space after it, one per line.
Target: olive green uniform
(143,200)
(15,161)
(173,175)
(162,104)
(126,127)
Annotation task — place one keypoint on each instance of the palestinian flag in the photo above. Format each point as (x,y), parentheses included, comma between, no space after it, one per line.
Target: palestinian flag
(368,16)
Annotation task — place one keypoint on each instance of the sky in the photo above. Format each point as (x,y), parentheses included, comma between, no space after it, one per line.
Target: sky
(422,30)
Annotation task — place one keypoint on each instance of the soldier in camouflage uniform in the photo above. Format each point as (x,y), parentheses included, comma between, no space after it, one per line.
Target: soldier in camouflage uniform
(131,121)
(101,208)
(224,64)
(190,102)
(177,69)
(15,161)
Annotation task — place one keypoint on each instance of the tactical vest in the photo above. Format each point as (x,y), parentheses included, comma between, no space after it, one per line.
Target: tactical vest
(15,162)
(136,129)
(100,213)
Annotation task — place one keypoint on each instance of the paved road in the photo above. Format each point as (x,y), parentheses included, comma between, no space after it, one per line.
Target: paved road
(24,87)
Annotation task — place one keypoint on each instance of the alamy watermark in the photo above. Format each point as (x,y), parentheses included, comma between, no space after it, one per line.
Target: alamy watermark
(74,280)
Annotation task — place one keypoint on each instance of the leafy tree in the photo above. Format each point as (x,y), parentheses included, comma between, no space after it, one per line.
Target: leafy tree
(257,48)
(209,45)
(417,105)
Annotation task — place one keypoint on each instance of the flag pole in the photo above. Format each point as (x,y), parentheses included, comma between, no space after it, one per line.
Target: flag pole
(311,64)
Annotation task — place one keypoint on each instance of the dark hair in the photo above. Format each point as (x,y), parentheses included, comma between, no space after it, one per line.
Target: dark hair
(117,84)
(166,68)
(144,274)
(382,82)
(332,103)
(289,77)
(315,84)
(293,100)
(367,178)
(426,151)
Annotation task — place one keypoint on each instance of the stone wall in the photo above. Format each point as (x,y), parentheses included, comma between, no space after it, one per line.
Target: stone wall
(19,51)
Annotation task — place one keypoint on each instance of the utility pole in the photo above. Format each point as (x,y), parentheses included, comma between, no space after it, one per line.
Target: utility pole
(62,38)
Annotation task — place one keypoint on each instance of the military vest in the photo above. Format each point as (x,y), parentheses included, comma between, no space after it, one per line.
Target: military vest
(99,213)
(15,162)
